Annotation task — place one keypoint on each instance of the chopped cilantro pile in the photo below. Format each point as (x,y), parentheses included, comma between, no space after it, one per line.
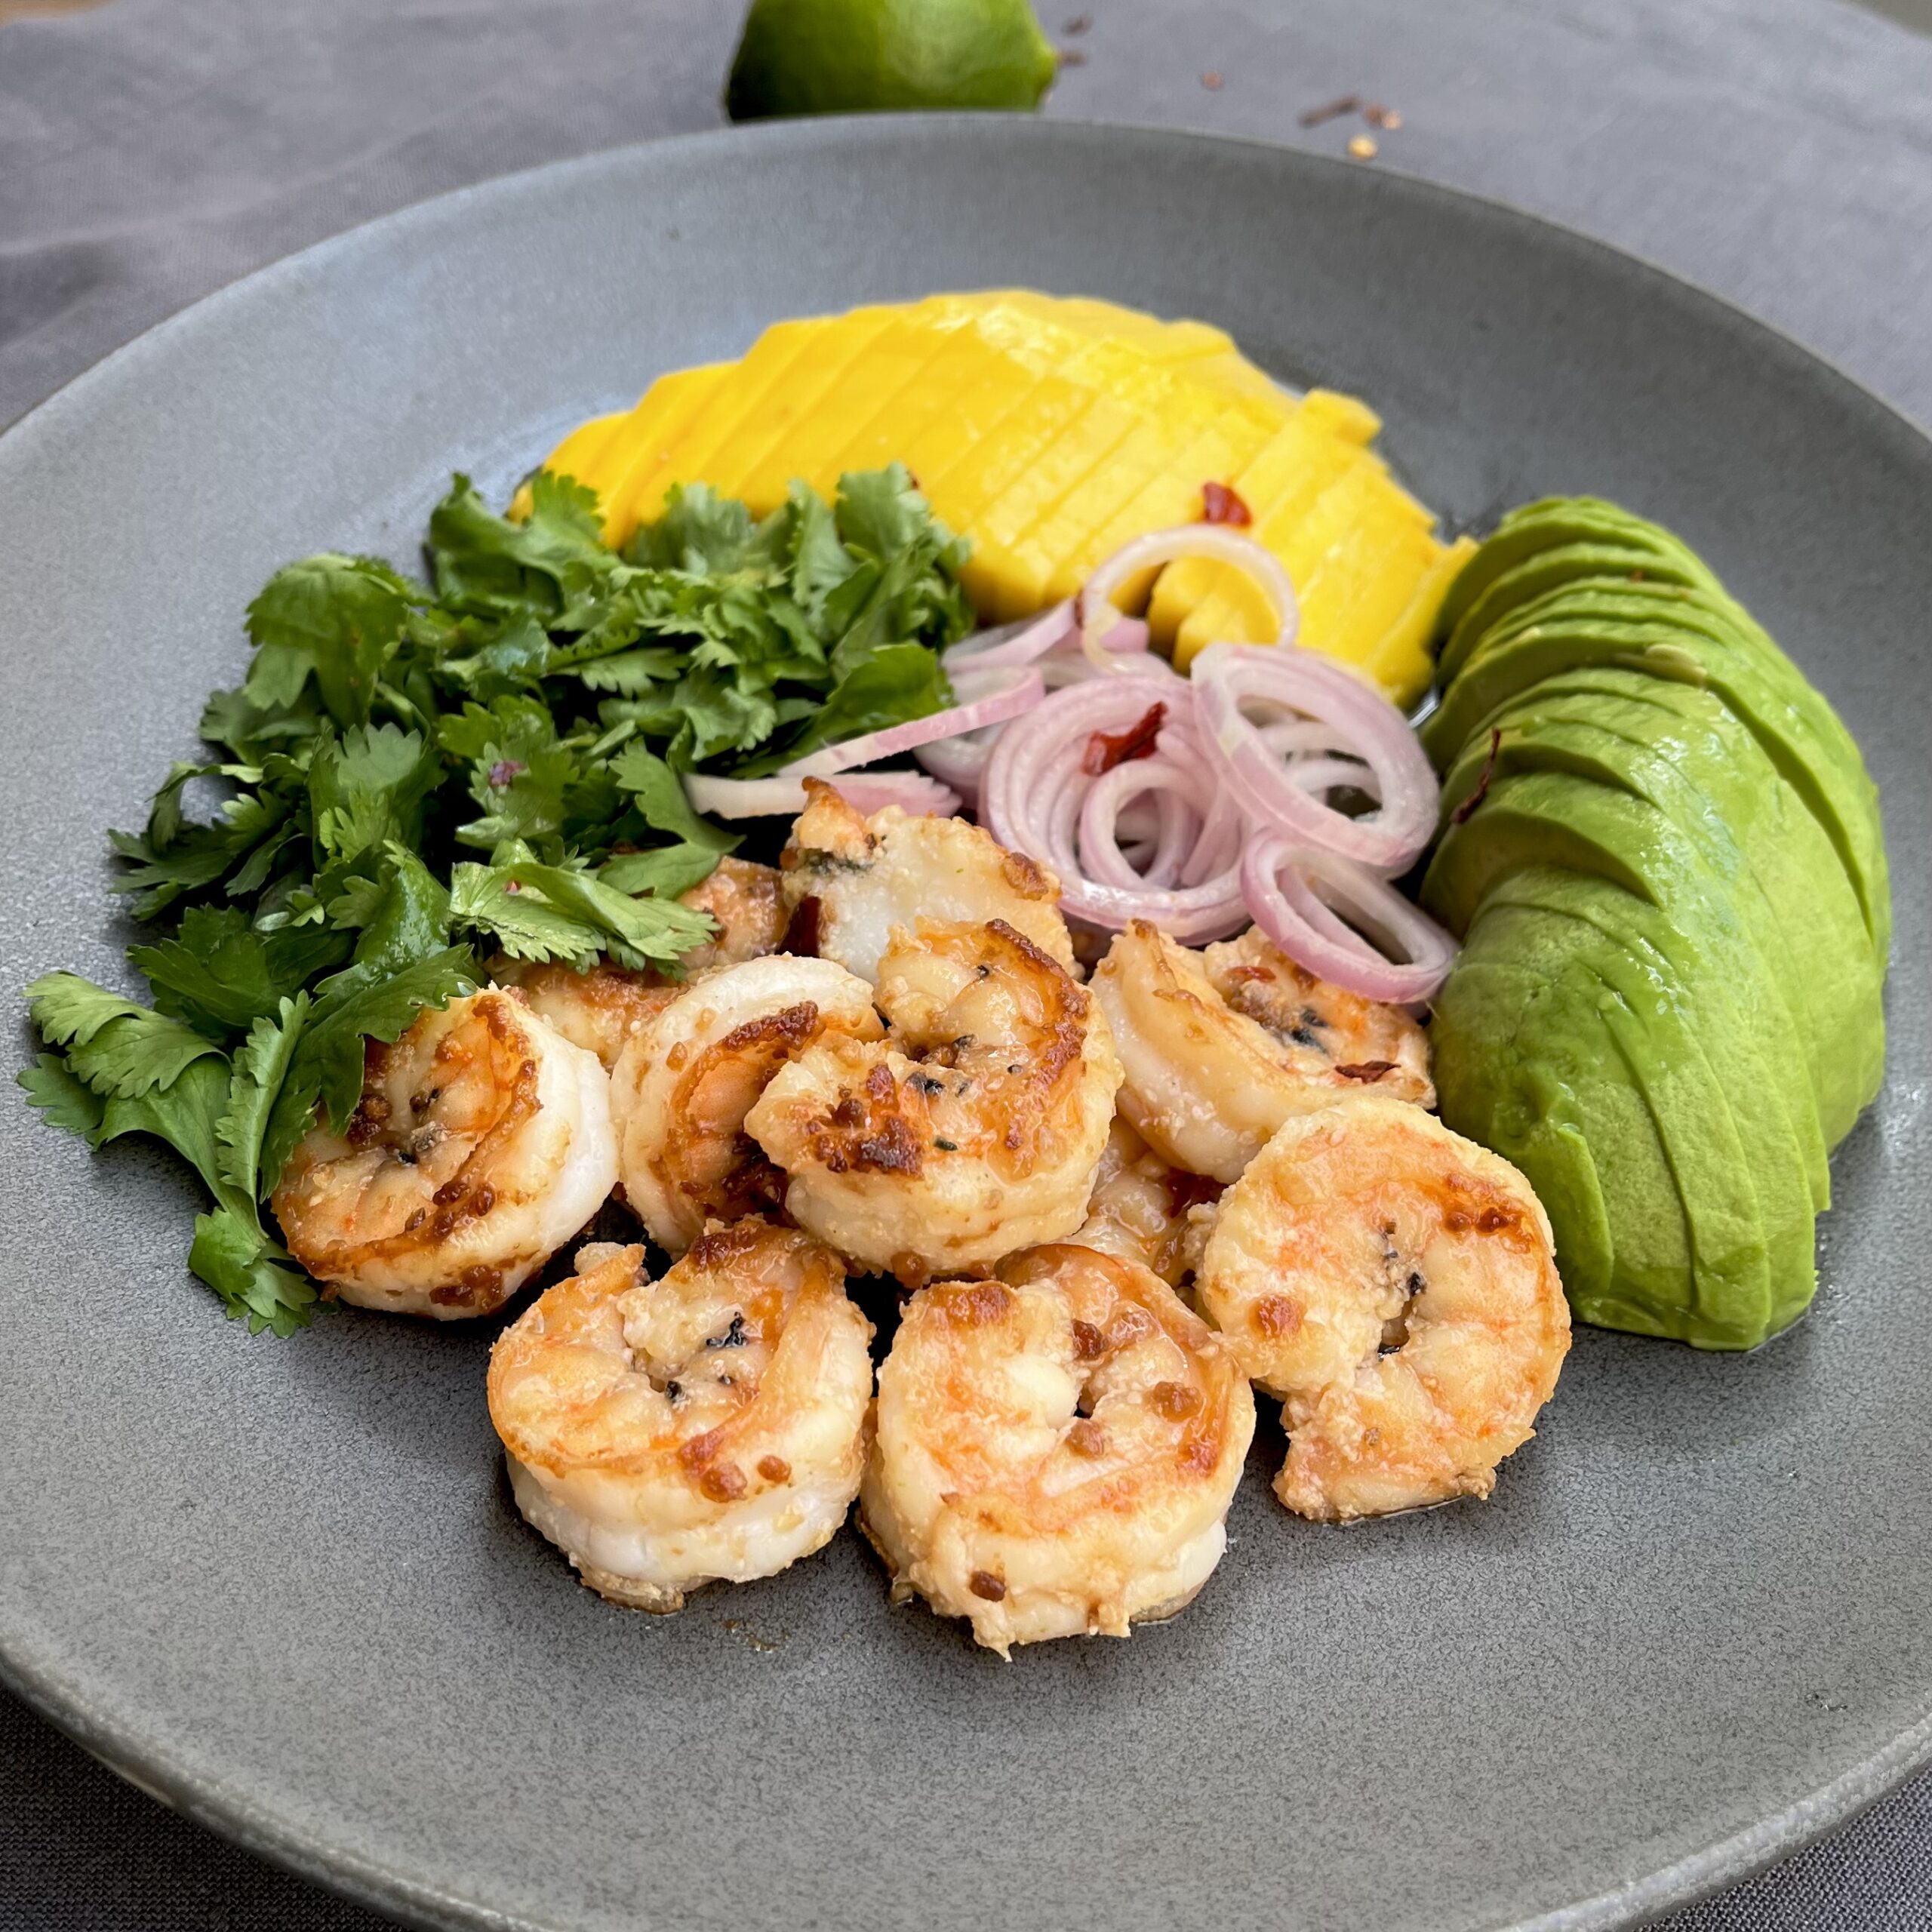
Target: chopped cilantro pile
(418,776)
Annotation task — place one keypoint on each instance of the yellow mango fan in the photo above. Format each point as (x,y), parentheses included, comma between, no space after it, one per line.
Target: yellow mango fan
(1051,431)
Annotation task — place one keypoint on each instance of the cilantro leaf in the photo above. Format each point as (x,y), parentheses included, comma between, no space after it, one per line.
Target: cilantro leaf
(61,1098)
(334,618)
(660,796)
(117,1048)
(252,1274)
(538,911)
(219,974)
(488,565)
(519,773)
(367,789)
(250,1167)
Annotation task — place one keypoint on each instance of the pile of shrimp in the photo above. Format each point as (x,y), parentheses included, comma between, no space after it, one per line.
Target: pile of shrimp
(1113,1207)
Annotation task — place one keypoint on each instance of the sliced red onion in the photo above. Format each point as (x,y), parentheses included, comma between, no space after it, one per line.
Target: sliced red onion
(783,794)
(1294,893)
(1215,542)
(1034,796)
(987,697)
(1357,721)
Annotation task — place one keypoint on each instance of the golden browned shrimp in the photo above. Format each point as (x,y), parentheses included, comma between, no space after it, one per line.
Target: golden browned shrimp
(1143,1209)
(748,903)
(600,1009)
(689,1076)
(851,880)
(973,1130)
(482,1143)
(709,1425)
(1396,1286)
(1056,1449)
(1220,1048)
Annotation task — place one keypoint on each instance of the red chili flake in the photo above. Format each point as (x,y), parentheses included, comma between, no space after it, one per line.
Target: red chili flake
(1331,110)
(1079,23)
(502,771)
(1377,116)
(1220,504)
(1476,797)
(1071,56)
(1211,81)
(1105,749)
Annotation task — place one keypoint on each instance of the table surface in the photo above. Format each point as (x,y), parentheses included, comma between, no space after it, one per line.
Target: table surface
(1778,152)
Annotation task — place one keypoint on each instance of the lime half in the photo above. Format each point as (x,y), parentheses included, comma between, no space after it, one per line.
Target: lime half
(848,56)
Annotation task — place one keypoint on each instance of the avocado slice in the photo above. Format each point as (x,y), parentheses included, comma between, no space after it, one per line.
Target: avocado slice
(1739,1177)
(1501,670)
(1524,1065)
(1548,524)
(1586,750)
(1535,819)
(1546,573)
(1682,749)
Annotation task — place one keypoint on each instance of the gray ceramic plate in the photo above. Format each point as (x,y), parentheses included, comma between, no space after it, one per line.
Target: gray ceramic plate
(282,1583)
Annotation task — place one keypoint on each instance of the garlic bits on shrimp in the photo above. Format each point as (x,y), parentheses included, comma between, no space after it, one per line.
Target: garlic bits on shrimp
(1056,1449)
(690,1073)
(974,1128)
(482,1143)
(851,880)
(1220,1047)
(1395,1285)
(710,1425)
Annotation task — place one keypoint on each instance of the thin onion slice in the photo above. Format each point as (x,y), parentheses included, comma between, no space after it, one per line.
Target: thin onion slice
(1034,796)
(1295,894)
(987,697)
(784,794)
(1213,541)
(1356,721)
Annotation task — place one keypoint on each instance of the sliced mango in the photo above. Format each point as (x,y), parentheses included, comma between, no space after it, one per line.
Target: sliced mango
(1050,430)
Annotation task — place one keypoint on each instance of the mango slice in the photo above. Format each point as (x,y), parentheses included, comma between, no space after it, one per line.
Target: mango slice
(1050,430)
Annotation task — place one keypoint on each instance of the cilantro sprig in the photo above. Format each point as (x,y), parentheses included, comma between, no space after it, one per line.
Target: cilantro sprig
(417,775)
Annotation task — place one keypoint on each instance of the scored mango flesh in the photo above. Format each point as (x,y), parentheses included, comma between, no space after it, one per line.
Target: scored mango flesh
(1049,431)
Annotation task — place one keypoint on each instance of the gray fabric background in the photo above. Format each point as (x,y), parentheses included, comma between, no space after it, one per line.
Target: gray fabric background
(1779,151)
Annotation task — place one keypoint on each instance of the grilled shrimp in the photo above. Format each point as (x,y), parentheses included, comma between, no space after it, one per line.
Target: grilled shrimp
(1056,1449)
(1395,1285)
(851,880)
(1222,1046)
(599,1010)
(482,1143)
(974,1128)
(1142,1210)
(708,1425)
(689,1076)
(747,902)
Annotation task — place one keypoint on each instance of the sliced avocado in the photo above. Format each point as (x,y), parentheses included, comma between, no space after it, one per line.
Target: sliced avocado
(1689,756)
(1512,1092)
(1712,616)
(1500,670)
(1524,1065)
(1585,751)
(1740,1174)
(1547,573)
(1545,524)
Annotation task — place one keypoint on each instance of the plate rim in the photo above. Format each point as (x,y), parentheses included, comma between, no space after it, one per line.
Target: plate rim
(150,1764)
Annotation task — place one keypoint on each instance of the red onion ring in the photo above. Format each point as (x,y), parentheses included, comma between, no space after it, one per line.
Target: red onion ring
(784,794)
(1357,721)
(1293,892)
(987,697)
(1215,542)
(1034,795)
